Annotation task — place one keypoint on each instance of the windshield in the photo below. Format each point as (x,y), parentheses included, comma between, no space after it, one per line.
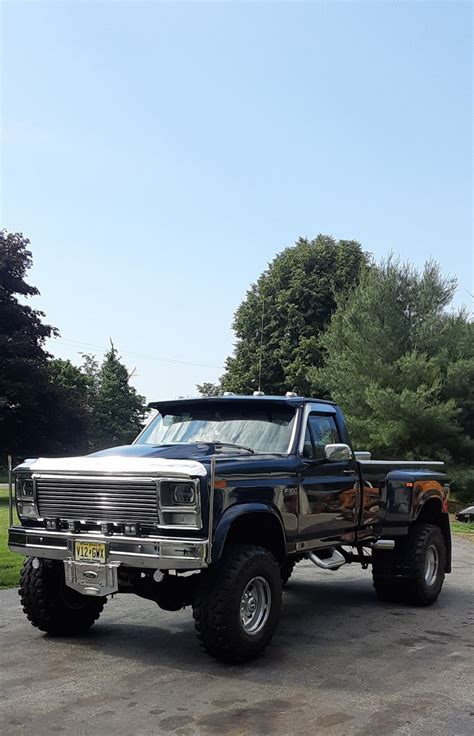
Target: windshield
(260,429)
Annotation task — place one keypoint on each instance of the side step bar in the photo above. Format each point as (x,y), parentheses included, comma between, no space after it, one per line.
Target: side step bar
(328,563)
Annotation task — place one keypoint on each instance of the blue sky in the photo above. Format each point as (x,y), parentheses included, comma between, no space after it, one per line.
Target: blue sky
(158,155)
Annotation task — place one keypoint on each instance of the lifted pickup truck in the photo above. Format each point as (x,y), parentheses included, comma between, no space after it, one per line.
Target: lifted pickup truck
(212,506)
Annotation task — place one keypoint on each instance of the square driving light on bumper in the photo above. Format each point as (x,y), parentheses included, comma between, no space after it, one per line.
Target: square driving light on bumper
(131,530)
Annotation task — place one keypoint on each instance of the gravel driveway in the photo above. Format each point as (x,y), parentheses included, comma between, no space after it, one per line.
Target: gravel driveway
(340,663)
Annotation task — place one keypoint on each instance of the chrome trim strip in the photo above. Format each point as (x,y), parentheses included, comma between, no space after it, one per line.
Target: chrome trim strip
(10,492)
(212,481)
(291,446)
(409,463)
(49,553)
(97,536)
(170,553)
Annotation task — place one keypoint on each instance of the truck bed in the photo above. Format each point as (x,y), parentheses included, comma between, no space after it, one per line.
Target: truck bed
(375,471)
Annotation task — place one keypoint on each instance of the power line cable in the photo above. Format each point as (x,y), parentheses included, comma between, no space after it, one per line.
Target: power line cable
(77,343)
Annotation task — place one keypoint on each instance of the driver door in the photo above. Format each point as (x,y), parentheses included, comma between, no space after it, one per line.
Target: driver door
(328,490)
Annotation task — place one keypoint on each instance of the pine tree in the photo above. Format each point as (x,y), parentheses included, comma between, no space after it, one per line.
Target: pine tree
(402,366)
(119,410)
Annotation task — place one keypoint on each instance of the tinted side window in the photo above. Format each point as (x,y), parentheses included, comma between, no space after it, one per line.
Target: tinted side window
(308,449)
(323,432)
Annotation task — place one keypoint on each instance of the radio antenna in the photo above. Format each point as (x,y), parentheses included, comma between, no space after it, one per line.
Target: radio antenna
(261,345)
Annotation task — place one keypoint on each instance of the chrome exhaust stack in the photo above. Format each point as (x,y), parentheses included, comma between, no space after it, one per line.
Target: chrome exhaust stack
(385,544)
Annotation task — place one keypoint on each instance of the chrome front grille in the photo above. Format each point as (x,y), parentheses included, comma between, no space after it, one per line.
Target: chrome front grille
(121,500)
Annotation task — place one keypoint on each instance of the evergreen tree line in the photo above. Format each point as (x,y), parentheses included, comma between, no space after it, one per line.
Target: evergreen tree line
(48,406)
(382,340)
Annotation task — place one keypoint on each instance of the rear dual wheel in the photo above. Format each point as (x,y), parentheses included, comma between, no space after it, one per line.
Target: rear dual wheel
(414,571)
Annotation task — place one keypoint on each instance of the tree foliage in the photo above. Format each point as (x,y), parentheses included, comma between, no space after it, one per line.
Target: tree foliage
(71,413)
(209,389)
(117,407)
(94,406)
(49,406)
(296,295)
(23,359)
(402,366)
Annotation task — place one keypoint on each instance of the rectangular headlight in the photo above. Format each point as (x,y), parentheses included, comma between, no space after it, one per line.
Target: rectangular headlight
(24,488)
(179,503)
(179,493)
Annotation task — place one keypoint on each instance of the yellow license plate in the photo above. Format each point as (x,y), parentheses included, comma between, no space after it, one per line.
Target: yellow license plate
(89,551)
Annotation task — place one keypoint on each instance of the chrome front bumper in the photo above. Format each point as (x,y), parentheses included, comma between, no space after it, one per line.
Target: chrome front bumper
(160,553)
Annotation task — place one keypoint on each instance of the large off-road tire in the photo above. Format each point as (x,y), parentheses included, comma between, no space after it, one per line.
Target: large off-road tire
(237,606)
(50,604)
(286,570)
(414,571)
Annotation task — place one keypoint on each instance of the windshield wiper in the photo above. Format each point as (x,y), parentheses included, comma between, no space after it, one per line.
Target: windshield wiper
(231,444)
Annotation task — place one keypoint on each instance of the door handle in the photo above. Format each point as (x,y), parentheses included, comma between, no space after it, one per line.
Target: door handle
(349,472)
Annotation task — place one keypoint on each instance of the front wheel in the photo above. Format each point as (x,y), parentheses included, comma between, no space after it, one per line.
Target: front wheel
(237,607)
(286,570)
(50,604)
(414,571)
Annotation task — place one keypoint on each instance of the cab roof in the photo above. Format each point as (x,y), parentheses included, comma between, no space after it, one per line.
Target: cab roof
(294,401)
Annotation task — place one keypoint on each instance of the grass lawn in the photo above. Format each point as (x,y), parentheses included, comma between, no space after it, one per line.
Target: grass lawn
(9,563)
(463,528)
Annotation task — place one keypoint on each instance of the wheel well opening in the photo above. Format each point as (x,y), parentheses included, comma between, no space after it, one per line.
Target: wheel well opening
(431,512)
(262,529)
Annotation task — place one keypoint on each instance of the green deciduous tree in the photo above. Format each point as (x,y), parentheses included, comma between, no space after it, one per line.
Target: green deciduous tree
(402,366)
(24,426)
(71,416)
(296,295)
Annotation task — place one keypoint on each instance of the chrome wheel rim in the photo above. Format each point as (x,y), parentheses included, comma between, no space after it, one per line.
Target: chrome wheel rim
(431,565)
(255,605)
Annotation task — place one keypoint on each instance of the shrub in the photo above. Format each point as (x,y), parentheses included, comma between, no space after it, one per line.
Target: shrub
(462,484)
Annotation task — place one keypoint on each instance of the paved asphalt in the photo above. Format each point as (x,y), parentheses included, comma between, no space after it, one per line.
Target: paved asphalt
(340,664)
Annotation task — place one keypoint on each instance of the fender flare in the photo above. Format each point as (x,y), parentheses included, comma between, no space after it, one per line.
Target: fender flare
(431,496)
(238,511)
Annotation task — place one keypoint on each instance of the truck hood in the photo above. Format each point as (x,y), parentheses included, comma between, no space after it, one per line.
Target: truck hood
(172,460)
(110,464)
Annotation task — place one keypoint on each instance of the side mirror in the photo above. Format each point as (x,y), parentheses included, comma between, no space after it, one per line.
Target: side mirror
(337,453)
